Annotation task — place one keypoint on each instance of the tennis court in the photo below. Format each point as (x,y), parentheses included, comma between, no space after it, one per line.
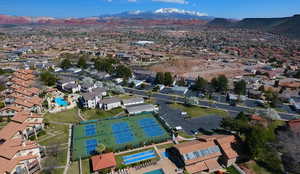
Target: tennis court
(116,134)
(122,133)
(90,130)
(91,146)
(151,127)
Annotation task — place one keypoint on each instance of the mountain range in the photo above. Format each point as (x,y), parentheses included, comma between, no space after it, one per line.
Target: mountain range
(289,26)
(163,13)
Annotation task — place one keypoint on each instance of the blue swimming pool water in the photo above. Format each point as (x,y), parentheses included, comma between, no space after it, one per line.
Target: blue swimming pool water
(159,171)
(60,101)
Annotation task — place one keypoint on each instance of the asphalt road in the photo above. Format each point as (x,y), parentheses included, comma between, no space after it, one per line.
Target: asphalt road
(217,105)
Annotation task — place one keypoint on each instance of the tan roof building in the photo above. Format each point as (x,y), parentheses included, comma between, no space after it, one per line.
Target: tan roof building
(206,154)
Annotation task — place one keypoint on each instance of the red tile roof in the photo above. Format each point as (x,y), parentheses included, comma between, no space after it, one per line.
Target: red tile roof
(294,125)
(103,161)
(11,129)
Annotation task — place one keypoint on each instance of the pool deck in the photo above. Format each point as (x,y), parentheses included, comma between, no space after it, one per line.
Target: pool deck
(165,164)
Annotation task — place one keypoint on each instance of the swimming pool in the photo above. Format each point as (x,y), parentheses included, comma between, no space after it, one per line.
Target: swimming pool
(60,101)
(159,171)
(142,156)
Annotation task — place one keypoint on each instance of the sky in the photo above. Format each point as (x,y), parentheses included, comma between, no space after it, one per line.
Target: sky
(236,9)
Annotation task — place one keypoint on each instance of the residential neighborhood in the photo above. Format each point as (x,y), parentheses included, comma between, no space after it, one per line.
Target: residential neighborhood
(163,94)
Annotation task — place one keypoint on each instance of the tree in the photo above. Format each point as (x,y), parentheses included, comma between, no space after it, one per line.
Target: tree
(104,65)
(2,105)
(240,123)
(297,75)
(200,84)
(123,72)
(240,87)
(65,64)
(220,84)
(159,78)
(100,148)
(82,62)
(48,78)
(168,79)
(181,82)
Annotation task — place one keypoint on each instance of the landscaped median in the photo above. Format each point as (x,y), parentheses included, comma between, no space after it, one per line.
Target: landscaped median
(197,111)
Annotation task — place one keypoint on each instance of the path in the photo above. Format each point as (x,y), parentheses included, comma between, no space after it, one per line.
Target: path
(69,150)
(145,147)
(185,139)
(79,115)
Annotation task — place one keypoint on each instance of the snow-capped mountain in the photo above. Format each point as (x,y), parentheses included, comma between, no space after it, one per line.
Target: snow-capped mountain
(178,11)
(163,13)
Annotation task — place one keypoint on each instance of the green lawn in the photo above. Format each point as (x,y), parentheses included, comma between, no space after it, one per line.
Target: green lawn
(94,114)
(165,146)
(56,134)
(68,116)
(86,166)
(256,168)
(196,111)
(74,168)
(3,123)
(185,135)
(54,171)
(232,170)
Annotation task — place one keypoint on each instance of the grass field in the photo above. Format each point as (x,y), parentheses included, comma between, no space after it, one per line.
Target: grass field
(185,135)
(3,123)
(74,168)
(95,114)
(165,146)
(256,168)
(68,116)
(196,111)
(232,170)
(104,135)
(56,134)
(54,171)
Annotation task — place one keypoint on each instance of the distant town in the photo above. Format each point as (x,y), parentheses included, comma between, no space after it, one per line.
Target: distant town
(157,97)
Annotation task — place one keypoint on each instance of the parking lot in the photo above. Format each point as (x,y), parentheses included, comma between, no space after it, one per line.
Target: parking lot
(174,118)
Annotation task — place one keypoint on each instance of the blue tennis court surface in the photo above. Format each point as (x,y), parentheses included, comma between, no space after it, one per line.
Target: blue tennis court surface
(90,146)
(134,158)
(90,130)
(151,127)
(122,133)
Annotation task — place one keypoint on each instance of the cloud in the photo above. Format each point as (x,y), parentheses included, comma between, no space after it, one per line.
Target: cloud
(172,1)
(132,0)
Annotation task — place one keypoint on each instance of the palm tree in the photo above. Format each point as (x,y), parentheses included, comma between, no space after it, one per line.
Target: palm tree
(100,148)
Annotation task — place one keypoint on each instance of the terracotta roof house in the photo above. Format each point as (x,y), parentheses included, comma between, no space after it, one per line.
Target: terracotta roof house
(294,126)
(9,111)
(19,156)
(104,161)
(206,154)
(34,121)
(13,130)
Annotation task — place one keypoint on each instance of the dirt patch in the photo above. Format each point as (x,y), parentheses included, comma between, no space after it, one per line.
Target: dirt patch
(192,68)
